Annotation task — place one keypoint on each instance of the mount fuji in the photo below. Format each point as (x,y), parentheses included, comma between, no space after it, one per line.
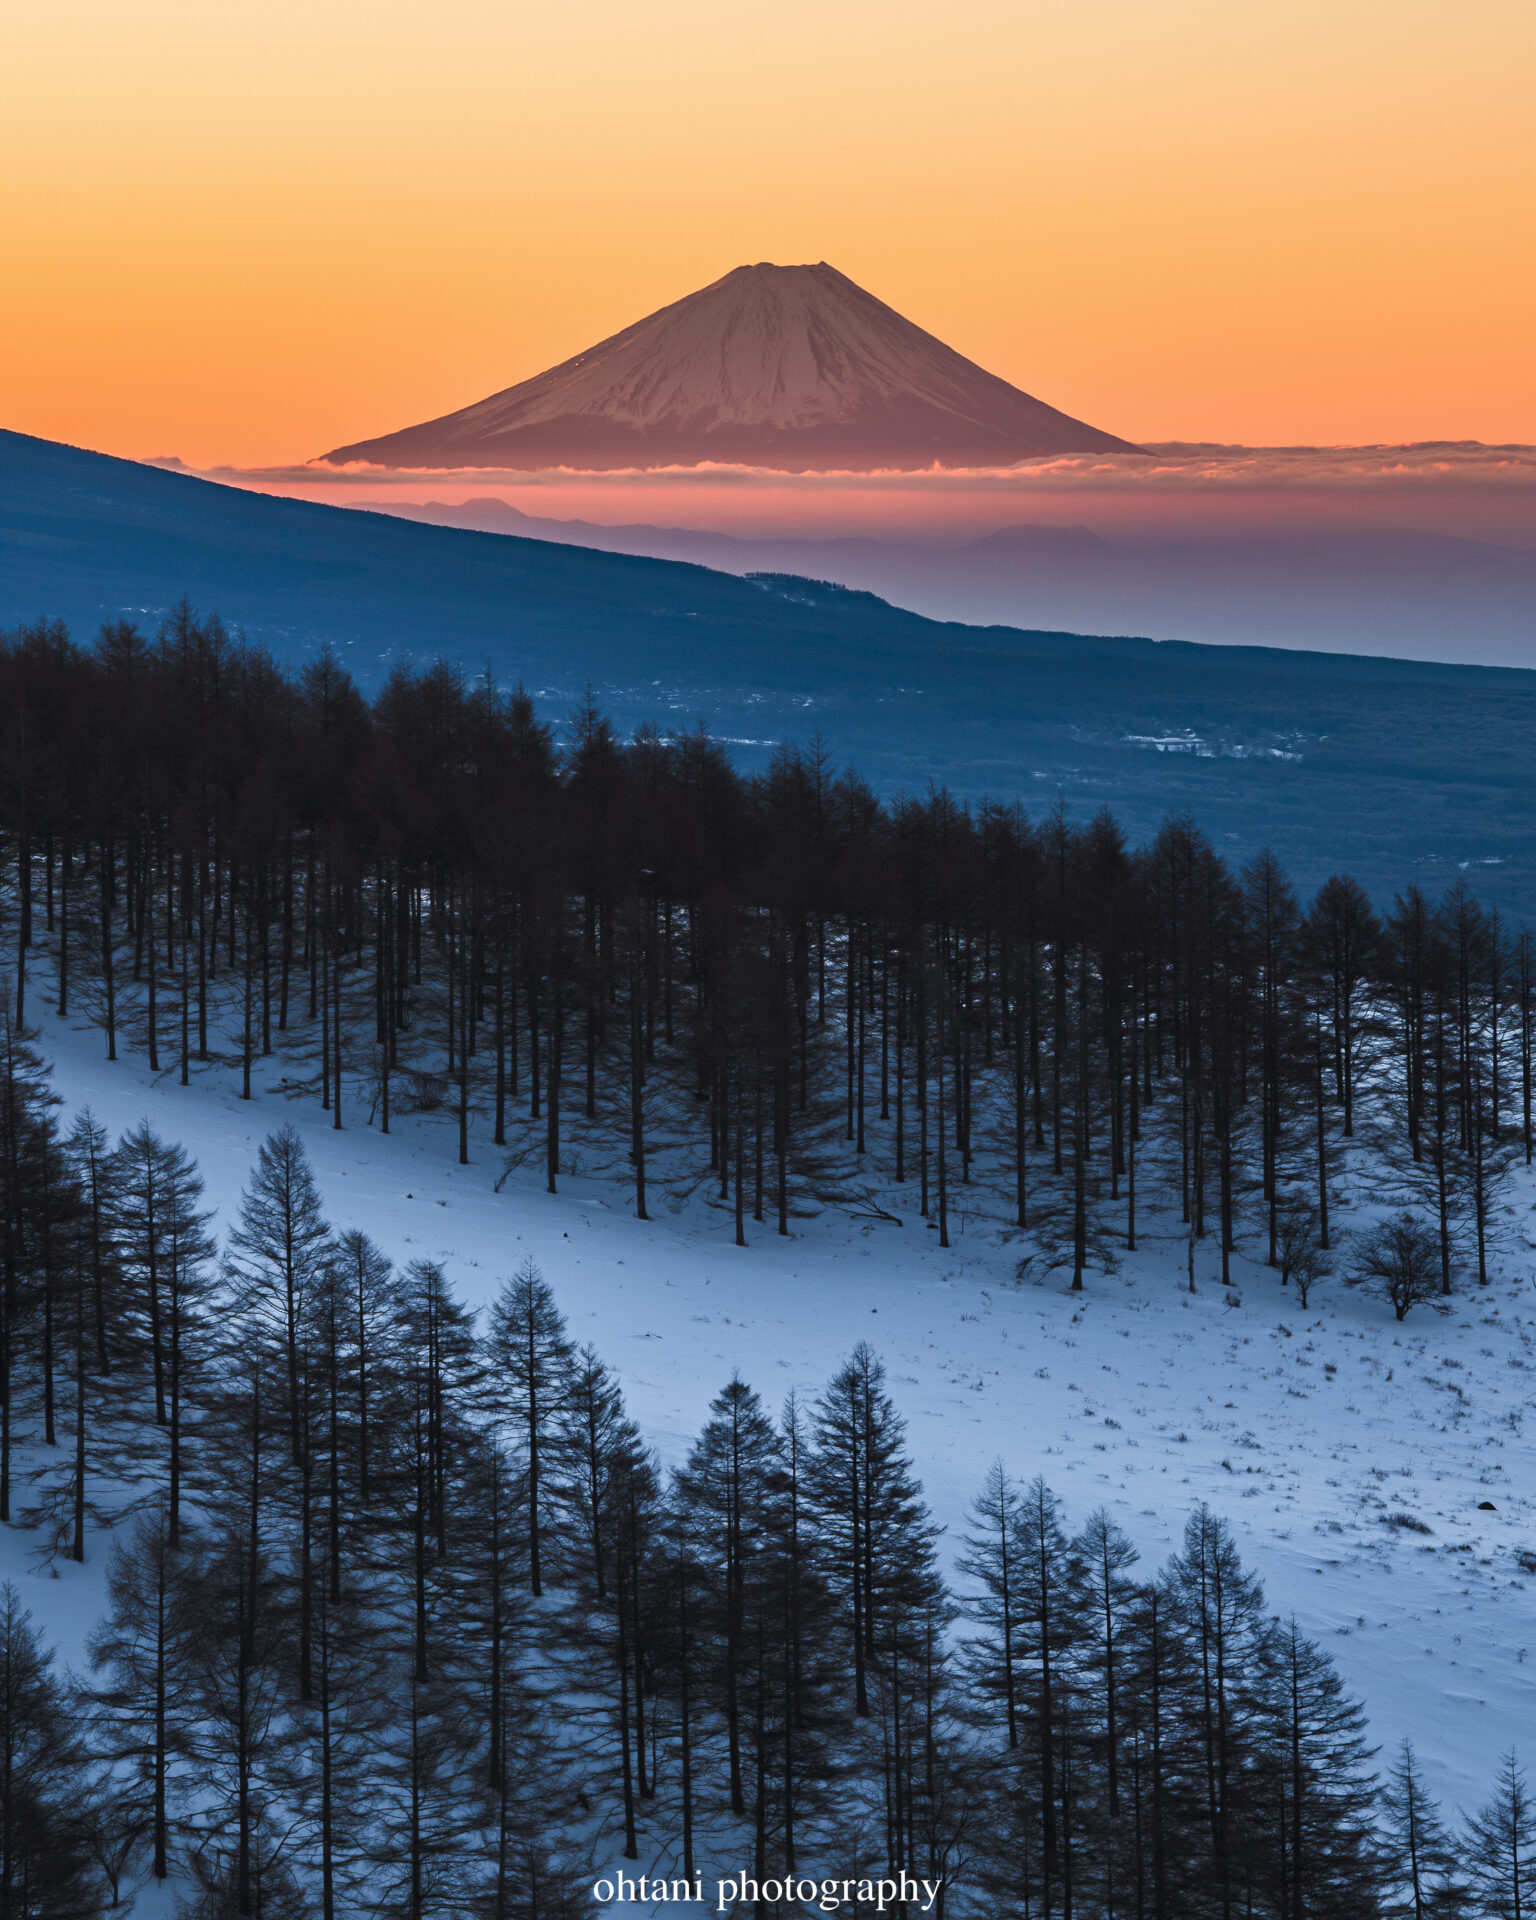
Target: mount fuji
(794,368)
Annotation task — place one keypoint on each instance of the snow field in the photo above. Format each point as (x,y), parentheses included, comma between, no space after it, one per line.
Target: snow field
(1314,1433)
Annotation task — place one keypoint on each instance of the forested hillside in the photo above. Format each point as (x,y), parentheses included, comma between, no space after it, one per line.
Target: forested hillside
(1395,769)
(739,976)
(406,1613)
(399,1613)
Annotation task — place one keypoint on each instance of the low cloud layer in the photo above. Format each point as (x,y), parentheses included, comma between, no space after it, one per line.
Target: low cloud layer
(1176,464)
(1174,491)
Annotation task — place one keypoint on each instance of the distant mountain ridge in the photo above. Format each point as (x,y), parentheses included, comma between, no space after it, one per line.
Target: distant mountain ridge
(1356,589)
(795,368)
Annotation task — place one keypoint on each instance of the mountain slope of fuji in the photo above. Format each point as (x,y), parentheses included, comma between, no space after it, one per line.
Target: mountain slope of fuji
(788,367)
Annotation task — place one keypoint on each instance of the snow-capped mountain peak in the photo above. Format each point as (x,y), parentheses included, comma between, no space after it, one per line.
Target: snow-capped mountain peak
(783,366)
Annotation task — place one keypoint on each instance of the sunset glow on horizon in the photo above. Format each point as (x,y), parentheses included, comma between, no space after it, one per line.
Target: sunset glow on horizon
(246,233)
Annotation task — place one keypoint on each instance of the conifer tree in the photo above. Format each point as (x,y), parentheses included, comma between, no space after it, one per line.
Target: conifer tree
(727,1491)
(89,1150)
(594,1433)
(1106,1556)
(1327,1850)
(138,1647)
(232,1647)
(1501,1847)
(361,1272)
(1222,1607)
(45,1789)
(1417,1852)
(1052,1606)
(531,1357)
(990,1562)
(531,1871)
(274,1254)
(166,1252)
(877,1543)
(26,1141)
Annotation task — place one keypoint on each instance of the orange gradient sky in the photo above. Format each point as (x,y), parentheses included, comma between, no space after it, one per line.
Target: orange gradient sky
(248,232)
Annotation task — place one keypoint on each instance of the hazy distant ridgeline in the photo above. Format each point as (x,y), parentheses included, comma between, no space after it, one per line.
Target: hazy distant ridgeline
(1359,589)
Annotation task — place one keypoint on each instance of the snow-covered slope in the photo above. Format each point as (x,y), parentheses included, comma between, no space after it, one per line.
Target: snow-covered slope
(790,367)
(1310,1431)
